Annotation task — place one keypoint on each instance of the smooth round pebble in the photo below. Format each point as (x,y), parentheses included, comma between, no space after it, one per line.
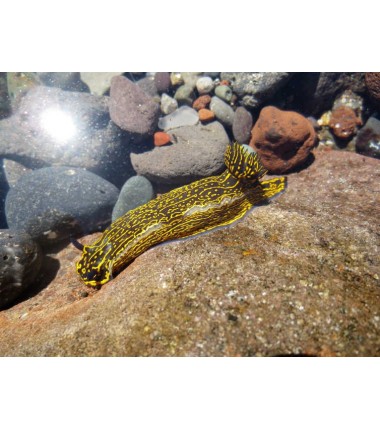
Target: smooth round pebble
(206,115)
(222,111)
(242,125)
(55,202)
(135,192)
(202,102)
(20,262)
(205,85)
(224,92)
(162,81)
(161,138)
(185,95)
(179,118)
(168,104)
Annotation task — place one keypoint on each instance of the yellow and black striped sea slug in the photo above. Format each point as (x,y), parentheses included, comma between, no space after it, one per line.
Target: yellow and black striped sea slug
(204,205)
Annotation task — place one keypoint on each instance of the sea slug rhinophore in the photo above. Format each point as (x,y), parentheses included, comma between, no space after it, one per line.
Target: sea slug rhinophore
(204,205)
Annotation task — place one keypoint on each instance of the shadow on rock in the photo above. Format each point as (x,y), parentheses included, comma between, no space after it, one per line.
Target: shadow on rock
(48,272)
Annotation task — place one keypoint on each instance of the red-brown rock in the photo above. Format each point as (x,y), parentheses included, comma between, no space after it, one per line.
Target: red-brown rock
(343,122)
(206,115)
(202,102)
(161,138)
(283,139)
(372,81)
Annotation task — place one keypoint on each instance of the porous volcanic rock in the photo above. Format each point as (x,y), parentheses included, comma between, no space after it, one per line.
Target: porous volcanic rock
(283,139)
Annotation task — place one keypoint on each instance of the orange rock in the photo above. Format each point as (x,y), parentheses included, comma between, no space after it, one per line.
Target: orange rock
(206,115)
(224,82)
(283,139)
(343,122)
(161,138)
(202,102)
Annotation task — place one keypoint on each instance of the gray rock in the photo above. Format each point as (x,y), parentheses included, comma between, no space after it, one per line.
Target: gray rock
(185,115)
(368,138)
(148,85)
(162,81)
(185,95)
(20,262)
(168,105)
(55,202)
(224,92)
(68,81)
(205,85)
(198,152)
(98,82)
(315,92)
(242,125)
(5,105)
(190,78)
(135,192)
(222,111)
(254,88)
(56,127)
(13,171)
(131,108)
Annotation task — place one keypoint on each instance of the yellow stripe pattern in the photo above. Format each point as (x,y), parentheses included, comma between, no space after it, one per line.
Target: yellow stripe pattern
(202,206)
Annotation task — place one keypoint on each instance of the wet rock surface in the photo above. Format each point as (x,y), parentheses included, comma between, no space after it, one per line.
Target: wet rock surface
(315,90)
(56,127)
(283,139)
(55,202)
(297,277)
(255,88)
(20,262)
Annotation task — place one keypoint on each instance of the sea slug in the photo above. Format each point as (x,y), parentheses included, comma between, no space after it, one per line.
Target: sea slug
(204,205)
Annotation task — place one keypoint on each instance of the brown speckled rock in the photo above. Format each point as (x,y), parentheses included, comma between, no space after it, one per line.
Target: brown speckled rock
(343,122)
(297,277)
(283,139)
(131,108)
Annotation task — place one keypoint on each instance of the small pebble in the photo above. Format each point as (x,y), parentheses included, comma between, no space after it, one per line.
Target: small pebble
(161,138)
(191,78)
(242,125)
(162,81)
(224,92)
(368,138)
(206,115)
(205,85)
(343,122)
(223,111)
(168,104)
(135,192)
(176,78)
(184,115)
(202,102)
(185,95)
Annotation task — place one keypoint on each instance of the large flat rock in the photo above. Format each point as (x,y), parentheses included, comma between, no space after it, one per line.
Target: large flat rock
(297,277)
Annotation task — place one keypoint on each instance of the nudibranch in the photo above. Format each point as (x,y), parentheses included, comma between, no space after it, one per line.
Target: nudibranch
(202,206)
